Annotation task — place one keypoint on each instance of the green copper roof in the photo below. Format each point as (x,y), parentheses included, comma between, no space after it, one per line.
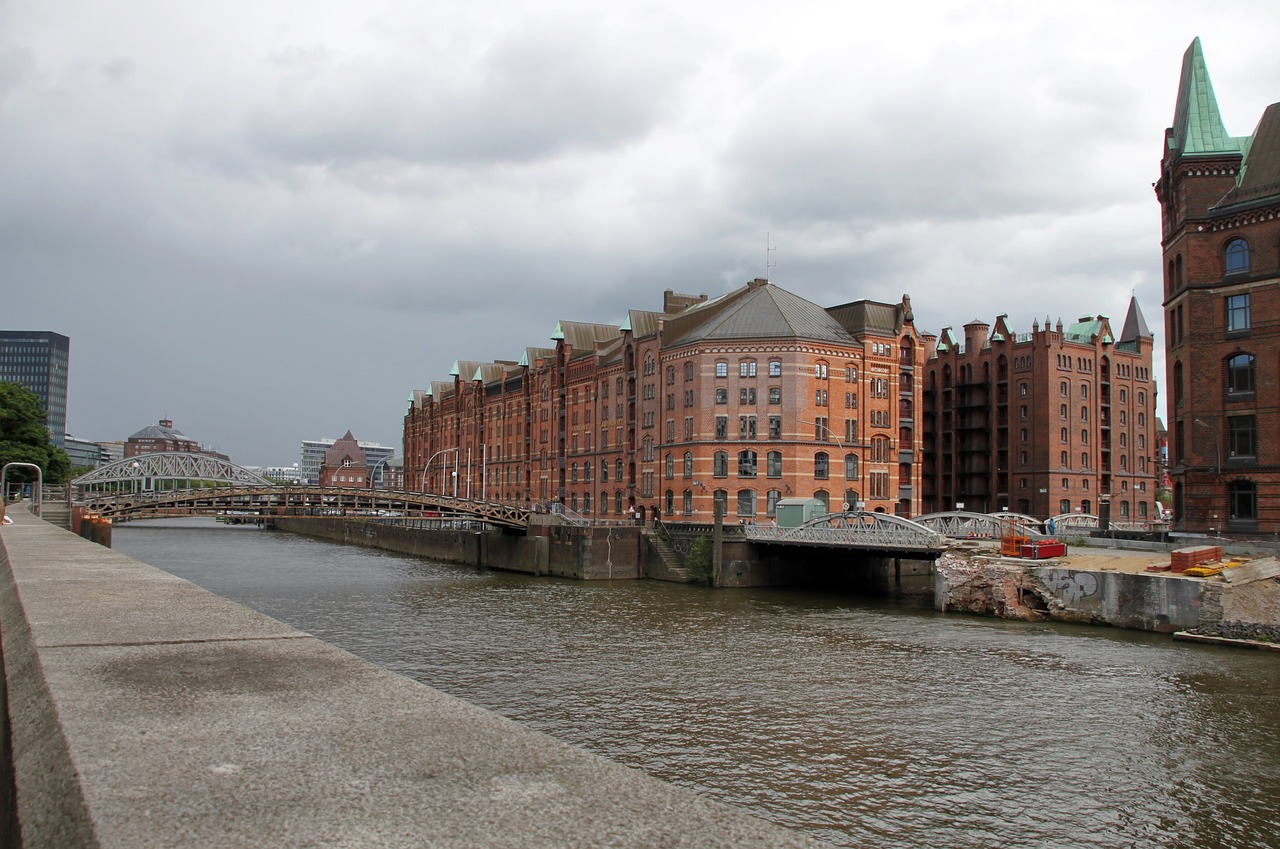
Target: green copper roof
(1197,123)
(626,324)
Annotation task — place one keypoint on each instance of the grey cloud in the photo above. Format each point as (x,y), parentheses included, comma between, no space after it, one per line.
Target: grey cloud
(547,88)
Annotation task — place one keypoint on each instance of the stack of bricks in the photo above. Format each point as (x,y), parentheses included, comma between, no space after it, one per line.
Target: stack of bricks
(1183,559)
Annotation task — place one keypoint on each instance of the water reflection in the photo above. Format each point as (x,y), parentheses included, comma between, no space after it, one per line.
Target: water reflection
(861,722)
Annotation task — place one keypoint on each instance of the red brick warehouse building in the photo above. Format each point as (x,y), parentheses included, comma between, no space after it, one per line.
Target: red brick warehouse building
(1058,420)
(1220,213)
(740,400)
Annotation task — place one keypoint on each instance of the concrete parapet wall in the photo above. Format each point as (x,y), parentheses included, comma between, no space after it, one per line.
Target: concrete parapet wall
(149,712)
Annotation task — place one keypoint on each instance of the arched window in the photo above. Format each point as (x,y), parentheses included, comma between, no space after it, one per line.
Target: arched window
(1236,257)
(747,465)
(688,464)
(688,501)
(851,467)
(822,496)
(1177,276)
(1240,373)
(821,465)
(774,467)
(772,497)
(720,464)
(573,473)
(604,501)
(720,498)
(746,502)
(671,466)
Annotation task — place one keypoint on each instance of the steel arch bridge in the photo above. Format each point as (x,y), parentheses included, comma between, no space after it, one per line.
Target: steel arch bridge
(165,485)
(961,524)
(145,470)
(854,529)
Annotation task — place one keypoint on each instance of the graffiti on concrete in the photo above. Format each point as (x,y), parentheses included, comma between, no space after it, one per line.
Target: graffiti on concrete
(1070,587)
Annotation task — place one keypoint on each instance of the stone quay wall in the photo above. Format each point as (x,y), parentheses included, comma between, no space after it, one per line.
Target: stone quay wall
(1012,589)
(145,711)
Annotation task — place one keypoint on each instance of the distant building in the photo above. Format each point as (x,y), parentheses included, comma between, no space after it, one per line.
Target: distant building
(313,450)
(37,359)
(1058,420)
(280,474)
(392,476)
(112,451)
(164,438)
(345,464)
(84,453)
(1220,213)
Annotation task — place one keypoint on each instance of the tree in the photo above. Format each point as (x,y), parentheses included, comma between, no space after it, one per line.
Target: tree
(24,439)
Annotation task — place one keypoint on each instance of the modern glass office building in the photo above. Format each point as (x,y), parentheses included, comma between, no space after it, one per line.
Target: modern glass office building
(37,359)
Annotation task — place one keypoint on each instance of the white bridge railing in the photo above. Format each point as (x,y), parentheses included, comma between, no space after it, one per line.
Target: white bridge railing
(855,529)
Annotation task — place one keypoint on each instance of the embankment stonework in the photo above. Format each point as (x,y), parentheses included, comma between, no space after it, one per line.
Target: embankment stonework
(585,553)
(148,712)
(1016,589)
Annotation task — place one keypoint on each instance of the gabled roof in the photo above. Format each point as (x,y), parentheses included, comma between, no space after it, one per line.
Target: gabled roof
(346,448)
(581,336)
(1087,328)
(532,355)
(760,310)
(1197,123)
(868,318)
(1259,175)
(642,323)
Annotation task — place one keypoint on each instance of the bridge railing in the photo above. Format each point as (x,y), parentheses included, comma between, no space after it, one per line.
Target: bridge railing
(857,529)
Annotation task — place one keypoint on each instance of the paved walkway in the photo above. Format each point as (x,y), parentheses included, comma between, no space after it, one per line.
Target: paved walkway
(148,712)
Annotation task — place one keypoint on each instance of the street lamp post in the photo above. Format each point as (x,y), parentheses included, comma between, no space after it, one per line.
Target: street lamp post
(442,472)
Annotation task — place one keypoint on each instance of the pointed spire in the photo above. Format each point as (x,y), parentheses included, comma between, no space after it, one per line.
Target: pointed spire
(1135,326)
(1197,123)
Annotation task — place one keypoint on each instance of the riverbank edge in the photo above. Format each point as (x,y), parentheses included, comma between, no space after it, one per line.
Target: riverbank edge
(145,711)
(1006,588)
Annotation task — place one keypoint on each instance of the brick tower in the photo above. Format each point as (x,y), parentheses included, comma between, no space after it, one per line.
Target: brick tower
(1220,212)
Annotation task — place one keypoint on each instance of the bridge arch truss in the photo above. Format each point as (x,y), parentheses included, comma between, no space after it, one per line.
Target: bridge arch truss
(854,529)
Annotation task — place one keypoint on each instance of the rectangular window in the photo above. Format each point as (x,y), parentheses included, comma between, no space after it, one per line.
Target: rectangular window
(775,427)
(1237,312)
(722,427)
(1242,435)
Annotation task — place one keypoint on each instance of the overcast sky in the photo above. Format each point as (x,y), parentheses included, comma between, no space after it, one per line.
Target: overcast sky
(271,221)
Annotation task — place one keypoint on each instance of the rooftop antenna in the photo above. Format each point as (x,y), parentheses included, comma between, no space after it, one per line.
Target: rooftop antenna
(768,250)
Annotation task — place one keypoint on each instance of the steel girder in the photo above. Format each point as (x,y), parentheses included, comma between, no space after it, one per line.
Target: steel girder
(961,524)
(854,529)
(280,501)
(175,467)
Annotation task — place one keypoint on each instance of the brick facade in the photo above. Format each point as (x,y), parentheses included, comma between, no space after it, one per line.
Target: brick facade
(1058,420)
(780,399)
(1220,214)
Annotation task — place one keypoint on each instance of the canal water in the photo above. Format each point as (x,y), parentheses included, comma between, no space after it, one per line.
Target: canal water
(862,722)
